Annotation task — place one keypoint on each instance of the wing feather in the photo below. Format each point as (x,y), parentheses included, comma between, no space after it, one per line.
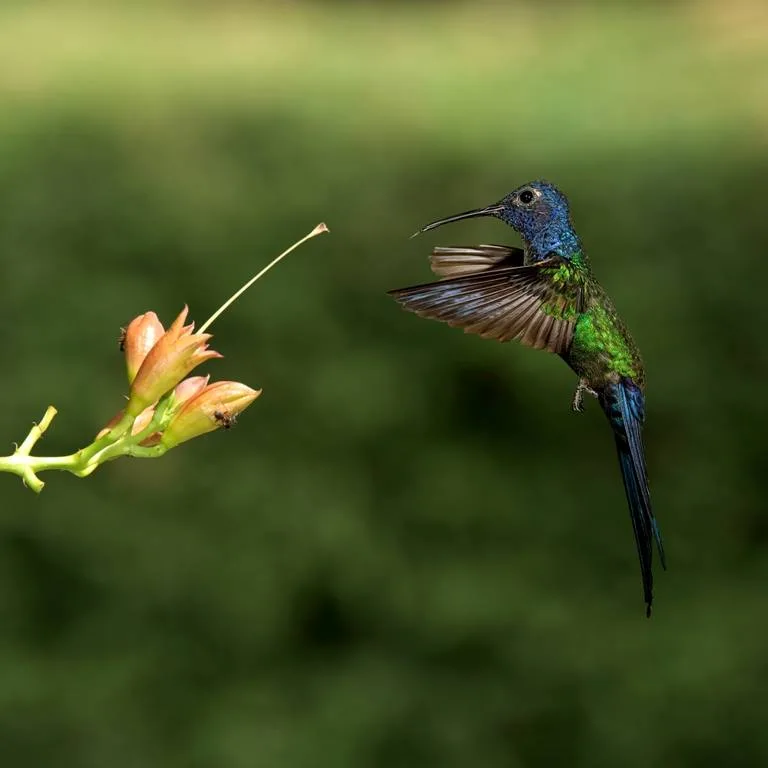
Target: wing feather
(456,261)
(522,302)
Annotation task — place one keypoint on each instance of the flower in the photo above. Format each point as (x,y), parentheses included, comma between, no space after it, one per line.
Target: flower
(172,357)
(140,336)
(183,391)
(217,405)
(188,388)
(141,422)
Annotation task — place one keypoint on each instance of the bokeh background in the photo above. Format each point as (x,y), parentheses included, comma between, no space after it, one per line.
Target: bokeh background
(409,552)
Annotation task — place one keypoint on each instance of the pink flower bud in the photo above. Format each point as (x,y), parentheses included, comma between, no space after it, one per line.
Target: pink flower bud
(216,406)
(142,421)
(173,356)
(140,336)
(189,388)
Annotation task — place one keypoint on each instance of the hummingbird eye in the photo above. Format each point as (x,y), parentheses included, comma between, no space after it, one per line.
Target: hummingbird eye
(526,196)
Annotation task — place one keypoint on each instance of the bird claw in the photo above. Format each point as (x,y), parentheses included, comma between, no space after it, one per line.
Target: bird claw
(577,405)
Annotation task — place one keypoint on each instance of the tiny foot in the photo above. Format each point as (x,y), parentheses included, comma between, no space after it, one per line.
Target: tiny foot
(577,405)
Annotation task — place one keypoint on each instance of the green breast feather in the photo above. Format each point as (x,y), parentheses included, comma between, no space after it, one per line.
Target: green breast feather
(601,341)
(568,283)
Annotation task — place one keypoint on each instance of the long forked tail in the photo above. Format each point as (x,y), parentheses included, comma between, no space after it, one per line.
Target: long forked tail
(624,404)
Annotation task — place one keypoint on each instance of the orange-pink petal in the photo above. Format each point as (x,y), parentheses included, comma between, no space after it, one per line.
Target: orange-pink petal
(141,335)
(177,352)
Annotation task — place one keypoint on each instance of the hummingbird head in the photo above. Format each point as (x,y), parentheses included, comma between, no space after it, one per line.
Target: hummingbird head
(538,211)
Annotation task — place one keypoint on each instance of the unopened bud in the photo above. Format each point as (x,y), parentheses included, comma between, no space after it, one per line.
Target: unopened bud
(218,405)
(188,388)
(140,336)
(140,423)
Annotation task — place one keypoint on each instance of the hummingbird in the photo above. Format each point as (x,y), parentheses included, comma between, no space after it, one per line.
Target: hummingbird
(545,296)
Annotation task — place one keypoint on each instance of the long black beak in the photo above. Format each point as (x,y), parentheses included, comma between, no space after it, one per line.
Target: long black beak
(490,210)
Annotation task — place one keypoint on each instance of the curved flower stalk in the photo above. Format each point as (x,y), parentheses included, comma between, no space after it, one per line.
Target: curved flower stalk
(166,406)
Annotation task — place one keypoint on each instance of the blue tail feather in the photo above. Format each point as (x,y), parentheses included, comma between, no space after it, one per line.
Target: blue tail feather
(624,404)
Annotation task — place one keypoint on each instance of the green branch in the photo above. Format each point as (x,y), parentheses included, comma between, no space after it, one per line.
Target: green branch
(117,442)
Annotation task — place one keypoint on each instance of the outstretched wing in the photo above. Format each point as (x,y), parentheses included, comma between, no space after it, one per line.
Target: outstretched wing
(536,304)
(456,261)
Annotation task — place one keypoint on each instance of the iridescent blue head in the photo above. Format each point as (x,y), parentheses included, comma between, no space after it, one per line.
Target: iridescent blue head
(539,212)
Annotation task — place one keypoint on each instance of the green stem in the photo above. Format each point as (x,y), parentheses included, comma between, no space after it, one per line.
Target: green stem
(27,467)
(113,436)
(117,442)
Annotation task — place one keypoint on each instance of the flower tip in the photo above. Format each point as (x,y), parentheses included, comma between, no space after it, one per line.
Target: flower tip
(178,324)
(320,228)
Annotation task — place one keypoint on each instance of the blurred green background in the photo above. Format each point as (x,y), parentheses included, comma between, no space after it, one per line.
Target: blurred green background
(409,552)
